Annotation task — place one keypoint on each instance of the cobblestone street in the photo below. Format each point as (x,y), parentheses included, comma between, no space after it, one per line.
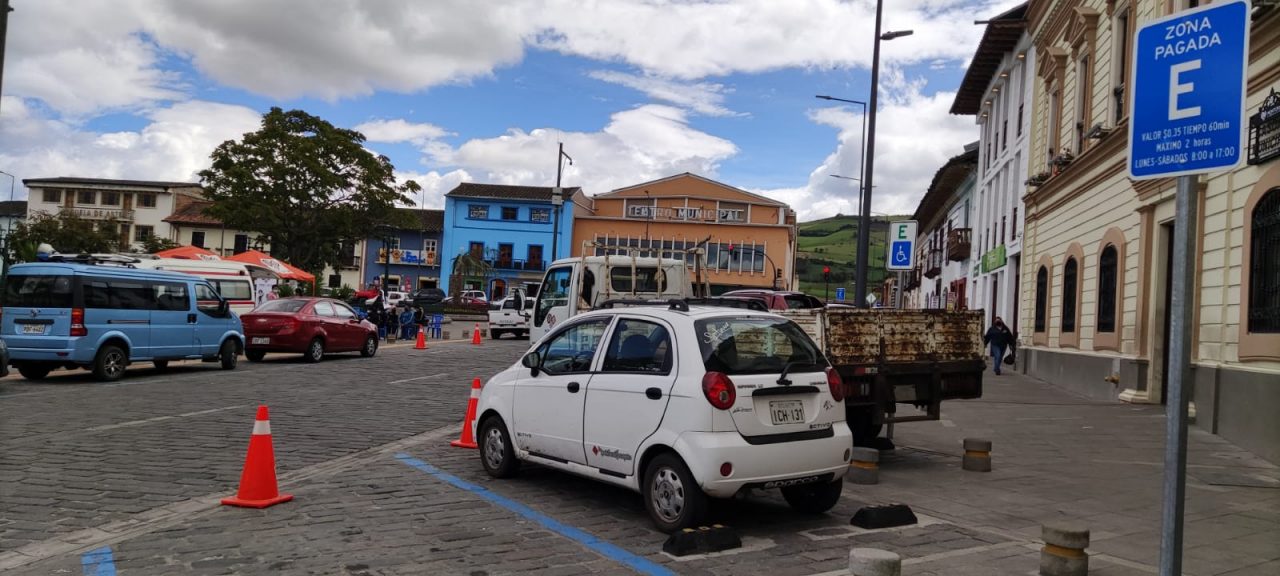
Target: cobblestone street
(140,466)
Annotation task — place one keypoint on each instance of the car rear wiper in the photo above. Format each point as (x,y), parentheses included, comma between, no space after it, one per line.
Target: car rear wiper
(782,378)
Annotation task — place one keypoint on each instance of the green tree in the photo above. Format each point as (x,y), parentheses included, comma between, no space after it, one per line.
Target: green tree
(66,232)
(305,185)
(155,244)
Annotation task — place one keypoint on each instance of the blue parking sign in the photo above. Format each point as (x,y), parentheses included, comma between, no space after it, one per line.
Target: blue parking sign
(1187,113)
(840,294)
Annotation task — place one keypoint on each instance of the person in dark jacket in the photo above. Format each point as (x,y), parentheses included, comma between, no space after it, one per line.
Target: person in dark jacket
(999,338)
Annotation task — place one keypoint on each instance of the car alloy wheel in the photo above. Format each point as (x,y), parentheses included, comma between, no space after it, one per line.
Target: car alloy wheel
(370,347)
(315,351)
(494,448)
(110,364)
(668,494)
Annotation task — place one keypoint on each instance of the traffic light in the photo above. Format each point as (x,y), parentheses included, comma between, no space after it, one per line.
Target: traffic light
(826,273)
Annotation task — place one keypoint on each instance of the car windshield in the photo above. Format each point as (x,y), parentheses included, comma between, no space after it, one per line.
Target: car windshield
(289,306)
(755,345)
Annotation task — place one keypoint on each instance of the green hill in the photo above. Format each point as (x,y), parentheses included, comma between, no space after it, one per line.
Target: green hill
(834,242)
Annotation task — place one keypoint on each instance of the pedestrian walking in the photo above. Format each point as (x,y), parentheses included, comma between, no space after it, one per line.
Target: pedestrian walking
(999,338)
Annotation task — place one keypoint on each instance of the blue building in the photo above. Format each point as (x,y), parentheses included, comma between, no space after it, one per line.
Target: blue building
(497,237)
(414,253)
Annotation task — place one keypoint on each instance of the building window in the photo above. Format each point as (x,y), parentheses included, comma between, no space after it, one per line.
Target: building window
(86,197)
(429,248)
(1004,135)
(1084,83)
(391,242)
(1121,27)
(1013,225)
(335,280)
(241,244)
(197,239)
(1055,122)
(477,250)
(1019,120)
(540,215)
(1003,227)
(478,212)
(510,213)
(1042,297)
(52,196)
(533,258)
(110,198)
(1264,265)
(142,233)
(147,200)
(1107,274)
(1069,273)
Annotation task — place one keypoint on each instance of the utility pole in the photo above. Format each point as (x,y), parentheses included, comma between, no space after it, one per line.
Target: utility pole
(557,202)
(864,216)
(5,9)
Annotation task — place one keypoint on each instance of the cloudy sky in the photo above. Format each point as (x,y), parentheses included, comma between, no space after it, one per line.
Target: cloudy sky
(464,90)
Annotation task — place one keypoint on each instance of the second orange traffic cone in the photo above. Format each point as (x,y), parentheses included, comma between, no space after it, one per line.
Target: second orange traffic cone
(258,488)
(422,340)
(468,440)
(475,335)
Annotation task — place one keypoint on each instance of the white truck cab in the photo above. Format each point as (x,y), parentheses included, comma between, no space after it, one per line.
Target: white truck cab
(572,286)
(511,315)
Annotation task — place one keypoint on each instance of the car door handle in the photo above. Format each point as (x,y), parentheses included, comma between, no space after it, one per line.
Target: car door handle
(653,393)
(573,387)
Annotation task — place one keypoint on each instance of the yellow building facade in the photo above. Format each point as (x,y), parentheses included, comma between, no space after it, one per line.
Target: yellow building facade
(1097,246)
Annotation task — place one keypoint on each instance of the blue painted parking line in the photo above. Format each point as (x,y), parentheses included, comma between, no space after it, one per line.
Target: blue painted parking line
(98,562)
(602,547)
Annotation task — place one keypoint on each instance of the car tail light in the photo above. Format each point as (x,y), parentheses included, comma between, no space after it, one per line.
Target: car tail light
(835,384)
(77,322)
(719,390)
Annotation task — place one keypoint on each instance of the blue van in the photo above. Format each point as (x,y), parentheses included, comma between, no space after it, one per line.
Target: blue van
(102,318)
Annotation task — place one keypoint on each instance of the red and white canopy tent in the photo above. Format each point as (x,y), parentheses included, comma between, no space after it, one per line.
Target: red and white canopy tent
(188,253)
(279,267)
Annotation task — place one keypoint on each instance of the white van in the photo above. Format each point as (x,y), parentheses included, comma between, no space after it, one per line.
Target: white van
(572,286)
(232,280)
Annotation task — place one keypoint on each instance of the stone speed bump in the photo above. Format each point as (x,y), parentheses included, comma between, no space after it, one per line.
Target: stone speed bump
(888,516)
(702,540)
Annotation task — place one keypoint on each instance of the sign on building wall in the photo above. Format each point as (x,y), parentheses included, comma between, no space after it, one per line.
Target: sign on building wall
(994,259)
(1264,130)
(1187,112)
(409,257)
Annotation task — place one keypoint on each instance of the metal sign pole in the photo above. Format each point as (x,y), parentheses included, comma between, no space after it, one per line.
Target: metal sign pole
(1180,327)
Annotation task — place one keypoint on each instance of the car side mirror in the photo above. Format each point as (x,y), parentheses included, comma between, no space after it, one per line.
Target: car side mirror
(532,361)
(224,307)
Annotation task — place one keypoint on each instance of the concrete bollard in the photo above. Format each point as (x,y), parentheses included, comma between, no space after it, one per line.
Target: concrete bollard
(873,562)
(977,455)
(864,468)
(1063,553)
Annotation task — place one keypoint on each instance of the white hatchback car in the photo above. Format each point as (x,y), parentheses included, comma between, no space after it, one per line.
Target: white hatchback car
(680,404)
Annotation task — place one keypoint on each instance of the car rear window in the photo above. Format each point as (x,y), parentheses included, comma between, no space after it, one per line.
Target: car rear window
(29,290)
(755,345)
(801,302)
(645,279)
(233,289)
(289,306)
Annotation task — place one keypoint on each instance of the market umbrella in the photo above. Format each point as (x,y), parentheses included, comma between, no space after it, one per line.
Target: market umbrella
(281,268)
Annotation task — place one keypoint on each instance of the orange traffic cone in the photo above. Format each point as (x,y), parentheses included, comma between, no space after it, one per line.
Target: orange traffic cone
(475,335)
(468,440)
(258,487)
(422,340)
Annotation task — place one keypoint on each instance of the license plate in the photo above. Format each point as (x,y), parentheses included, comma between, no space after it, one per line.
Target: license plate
(786,411)
(33,328)
(260,341)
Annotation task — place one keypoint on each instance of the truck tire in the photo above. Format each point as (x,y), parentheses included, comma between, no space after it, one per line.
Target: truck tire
(865,423)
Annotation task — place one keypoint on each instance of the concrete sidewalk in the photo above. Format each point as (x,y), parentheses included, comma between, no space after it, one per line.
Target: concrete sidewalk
(1059,456)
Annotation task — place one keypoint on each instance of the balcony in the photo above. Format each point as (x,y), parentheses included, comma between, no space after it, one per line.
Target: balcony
(351,262)
(513,264)
(958,244)
(933,263)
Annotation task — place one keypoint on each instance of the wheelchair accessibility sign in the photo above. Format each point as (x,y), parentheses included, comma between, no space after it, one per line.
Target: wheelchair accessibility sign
(902,245)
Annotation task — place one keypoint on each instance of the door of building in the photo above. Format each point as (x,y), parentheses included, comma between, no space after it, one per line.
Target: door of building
(995,298)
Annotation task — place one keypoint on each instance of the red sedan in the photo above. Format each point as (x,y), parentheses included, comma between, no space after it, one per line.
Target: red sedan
(312,326)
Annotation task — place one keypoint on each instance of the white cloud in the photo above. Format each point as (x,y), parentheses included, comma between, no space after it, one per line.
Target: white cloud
(81,57)
(643,143)
(706,98)
(434,185)
(174,145)
(398,130)
(915,135)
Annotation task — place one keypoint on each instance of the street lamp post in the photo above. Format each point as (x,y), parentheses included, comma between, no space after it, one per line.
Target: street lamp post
(5,9)
(557,202)
(385,232)
(864,220)
(8,226)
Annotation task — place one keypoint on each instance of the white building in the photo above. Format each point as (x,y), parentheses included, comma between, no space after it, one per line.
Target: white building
(942,241)
(997,91)
(139,207)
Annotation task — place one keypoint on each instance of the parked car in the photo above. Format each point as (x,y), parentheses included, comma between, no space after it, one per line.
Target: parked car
(428,297)
(511,315)
(310,326)
(4,359)
(467,302)
(73,313)
(475,295)
(733,400)
(779,299)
